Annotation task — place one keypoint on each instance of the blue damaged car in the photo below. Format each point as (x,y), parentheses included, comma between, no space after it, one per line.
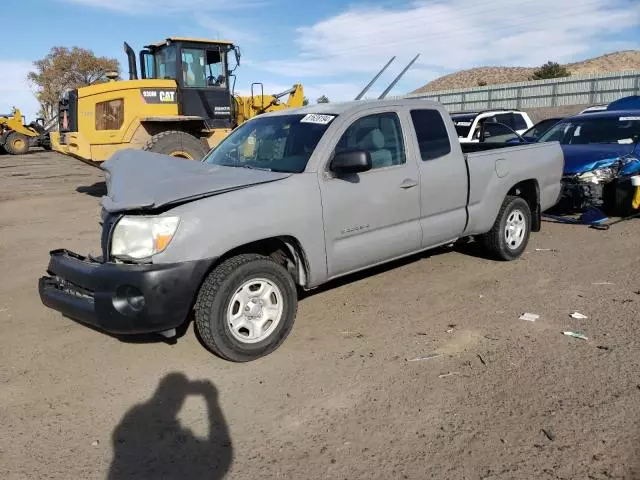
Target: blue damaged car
(601,154)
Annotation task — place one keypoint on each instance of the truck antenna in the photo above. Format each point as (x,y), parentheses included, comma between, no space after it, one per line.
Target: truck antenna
(395,80)
(366,89)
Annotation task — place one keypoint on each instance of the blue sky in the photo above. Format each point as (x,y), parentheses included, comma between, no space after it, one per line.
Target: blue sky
(332,47)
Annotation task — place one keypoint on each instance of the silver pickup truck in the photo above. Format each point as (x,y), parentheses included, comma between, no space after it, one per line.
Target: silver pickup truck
(292,200)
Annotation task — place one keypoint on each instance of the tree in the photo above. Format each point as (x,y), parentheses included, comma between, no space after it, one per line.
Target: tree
(323,99)
(482,83)
(305,102)
(64,69)
(550,70)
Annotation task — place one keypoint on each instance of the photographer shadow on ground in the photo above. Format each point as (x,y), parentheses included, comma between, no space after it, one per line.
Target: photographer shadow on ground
(150,442)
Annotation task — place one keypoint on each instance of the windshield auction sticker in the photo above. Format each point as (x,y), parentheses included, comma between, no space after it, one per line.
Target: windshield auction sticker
(316,118)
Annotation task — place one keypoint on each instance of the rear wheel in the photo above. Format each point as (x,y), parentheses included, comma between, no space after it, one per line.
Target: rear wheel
(509,235)
(246,307)
(16,144)
(176,144)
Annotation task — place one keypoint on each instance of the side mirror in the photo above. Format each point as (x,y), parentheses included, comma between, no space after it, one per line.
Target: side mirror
(351,161)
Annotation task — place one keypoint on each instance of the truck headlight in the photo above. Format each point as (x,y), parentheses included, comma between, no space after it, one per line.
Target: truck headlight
(598,175)
(140,237)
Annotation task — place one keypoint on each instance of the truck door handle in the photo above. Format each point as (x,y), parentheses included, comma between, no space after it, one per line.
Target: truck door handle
(408,183)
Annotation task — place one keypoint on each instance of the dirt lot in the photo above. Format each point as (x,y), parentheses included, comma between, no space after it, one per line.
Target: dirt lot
(339,399)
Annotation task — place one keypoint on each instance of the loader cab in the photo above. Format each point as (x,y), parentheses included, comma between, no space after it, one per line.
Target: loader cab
(202,73)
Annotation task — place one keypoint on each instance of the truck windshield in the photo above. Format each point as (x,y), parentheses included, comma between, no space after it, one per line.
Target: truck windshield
(463,123)
(619,129)
(282,143)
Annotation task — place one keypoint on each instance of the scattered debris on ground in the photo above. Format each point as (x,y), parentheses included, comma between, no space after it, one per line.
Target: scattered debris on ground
(349,334)
(450,374)
(578,316)
(428,357)
(549,434)
(529,317)
(579,335)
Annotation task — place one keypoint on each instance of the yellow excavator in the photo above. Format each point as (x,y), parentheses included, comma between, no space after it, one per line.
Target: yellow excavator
(182,104)
(16,138)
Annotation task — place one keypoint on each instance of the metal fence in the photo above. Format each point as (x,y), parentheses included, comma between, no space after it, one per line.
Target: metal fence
(583,90)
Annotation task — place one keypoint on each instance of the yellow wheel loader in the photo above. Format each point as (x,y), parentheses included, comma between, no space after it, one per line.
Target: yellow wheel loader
(182,104)
(16,138)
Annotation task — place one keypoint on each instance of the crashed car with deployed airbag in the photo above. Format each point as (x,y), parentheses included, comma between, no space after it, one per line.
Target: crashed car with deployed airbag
(601,157)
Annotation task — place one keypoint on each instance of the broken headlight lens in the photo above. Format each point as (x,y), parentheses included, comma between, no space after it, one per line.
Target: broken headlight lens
(138,237)
(599,175)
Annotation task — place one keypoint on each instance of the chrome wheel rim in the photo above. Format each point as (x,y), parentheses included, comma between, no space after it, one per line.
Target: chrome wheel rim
(515,229)
(255,310)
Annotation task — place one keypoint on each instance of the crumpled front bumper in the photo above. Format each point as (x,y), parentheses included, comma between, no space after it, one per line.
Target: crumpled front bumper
(121,298)
(619,196)
(577,195)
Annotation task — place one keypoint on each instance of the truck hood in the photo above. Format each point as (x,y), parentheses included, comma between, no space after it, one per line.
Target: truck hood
(584,158)
(138,180)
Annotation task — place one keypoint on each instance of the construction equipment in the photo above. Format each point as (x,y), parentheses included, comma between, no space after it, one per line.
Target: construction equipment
(17,138)
(182,105)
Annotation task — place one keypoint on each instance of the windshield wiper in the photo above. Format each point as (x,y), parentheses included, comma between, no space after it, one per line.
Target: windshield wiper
(250,167)
(253,167)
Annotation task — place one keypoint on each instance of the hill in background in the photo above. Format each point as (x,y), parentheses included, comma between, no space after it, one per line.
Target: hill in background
(611,62)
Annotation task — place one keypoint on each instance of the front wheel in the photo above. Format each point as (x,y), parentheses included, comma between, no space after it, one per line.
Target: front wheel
(16,144)
(509,235)
(246,307)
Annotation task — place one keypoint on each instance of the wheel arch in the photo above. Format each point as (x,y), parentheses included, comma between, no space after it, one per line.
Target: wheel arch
(194,127)
(284,249)
(529,190)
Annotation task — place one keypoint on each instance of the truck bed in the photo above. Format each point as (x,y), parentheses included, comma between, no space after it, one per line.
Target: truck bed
(493,172)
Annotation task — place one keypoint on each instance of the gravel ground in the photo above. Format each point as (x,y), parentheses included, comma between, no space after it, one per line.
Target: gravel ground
(342,398)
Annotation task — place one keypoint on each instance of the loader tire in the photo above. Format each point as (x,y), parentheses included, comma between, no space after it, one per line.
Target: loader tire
(176,144)
(16,144)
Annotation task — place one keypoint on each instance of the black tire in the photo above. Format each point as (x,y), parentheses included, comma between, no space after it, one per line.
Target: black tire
(16,143)
(214,300)
(623,198)
(176,144)
(495,240)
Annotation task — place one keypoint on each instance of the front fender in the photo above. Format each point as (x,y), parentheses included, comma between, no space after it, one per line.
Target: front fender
(213,226)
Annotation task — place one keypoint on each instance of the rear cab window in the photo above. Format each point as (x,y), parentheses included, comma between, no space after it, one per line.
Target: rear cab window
(431,133)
